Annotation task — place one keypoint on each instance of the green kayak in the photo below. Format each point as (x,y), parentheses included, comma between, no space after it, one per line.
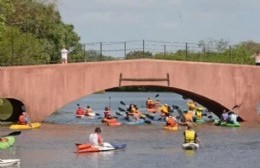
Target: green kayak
(200,121)
(10,140)
(226,124)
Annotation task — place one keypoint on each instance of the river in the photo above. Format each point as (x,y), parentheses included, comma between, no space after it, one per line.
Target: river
(53,145)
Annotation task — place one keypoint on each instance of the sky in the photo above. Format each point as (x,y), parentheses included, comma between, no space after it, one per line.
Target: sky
(163,20)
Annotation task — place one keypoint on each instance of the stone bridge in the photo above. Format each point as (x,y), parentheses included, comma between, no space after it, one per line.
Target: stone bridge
(45,88)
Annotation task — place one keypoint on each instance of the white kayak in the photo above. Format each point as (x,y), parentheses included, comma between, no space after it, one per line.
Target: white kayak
(9,162)
(190,146)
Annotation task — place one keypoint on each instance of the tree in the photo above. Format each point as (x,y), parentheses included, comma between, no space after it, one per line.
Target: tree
(138,54)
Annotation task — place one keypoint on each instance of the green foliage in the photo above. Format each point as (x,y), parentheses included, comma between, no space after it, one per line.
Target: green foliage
(138,54)
(222,53)
(35,33)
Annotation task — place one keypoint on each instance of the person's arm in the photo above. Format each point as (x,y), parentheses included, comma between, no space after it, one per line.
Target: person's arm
(100,140)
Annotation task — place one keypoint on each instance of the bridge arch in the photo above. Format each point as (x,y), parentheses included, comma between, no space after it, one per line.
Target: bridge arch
(46,88)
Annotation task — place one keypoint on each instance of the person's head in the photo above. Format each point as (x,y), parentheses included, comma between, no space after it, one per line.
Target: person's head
(97,130)
(88,106)
(106,109)
(189,126)
(224,111)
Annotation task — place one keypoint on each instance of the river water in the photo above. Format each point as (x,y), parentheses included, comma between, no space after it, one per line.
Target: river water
(53,145)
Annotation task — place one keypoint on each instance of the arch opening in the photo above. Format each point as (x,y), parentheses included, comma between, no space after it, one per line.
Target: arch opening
(10,109)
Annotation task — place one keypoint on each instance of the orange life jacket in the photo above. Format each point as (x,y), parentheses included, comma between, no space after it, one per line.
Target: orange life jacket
(170,122)
(22,119)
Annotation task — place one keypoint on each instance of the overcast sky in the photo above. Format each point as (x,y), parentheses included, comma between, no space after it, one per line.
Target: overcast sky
(164,20)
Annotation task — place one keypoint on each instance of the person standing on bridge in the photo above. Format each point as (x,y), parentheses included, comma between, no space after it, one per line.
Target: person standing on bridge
(256,56)
(64,55)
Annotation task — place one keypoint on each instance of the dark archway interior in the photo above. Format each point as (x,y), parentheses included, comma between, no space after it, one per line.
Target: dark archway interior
(211,105)
(17,109)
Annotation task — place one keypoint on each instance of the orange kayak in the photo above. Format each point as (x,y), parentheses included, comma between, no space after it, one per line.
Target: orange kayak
(111,122)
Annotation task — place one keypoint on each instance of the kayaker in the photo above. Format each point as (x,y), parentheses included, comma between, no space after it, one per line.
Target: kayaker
(198,113)
(79,110)
(224,116)
(164,109)
(133,112)
(95,138)
(188,116)
(170,120)
(190,135)
(232,118)
(3,139)
(149,103)
(24,119)
(107,113)
(88,111)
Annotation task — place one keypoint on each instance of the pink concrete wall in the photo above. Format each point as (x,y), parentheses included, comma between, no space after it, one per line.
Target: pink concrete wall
(46,88)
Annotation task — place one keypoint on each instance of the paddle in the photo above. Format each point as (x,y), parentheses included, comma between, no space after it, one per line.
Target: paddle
(157,95)
(12,134)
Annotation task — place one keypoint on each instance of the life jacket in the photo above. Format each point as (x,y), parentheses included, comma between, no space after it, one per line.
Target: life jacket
(79,111)
(107,114)
(188,116)
(22,119)
(189,136)
(198,114)
(164,109)
(170,122)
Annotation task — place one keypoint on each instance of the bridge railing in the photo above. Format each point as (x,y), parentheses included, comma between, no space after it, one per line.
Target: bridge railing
(213,51)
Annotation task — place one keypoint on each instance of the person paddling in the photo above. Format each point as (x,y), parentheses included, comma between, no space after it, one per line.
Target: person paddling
(190,135)
(24,119)
(95,138)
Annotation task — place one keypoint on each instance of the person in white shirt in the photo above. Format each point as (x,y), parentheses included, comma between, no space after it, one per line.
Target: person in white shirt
(64,55)
(257,58)
(95,139)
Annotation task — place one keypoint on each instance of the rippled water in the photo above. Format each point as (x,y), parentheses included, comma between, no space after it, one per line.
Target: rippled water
(53,145)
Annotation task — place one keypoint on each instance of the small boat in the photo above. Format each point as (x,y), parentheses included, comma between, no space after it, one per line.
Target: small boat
(10,140)
(9,162)
(111,122)
(27,126)
(79,116)
(84,148)
(171,128)
(190,146)
(226,124)
(199,120)
(90,114)
(136,122)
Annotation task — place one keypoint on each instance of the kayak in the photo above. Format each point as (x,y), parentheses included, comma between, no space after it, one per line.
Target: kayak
(20,127)
(9,162)
(111,122)
(171,128)
(190,146)
(84,148)
(90,114)
(200,121)
(10,141)
(79,116)
(136,122)
(226,124)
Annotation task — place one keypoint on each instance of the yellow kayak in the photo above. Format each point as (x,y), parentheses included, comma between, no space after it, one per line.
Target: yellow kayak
(20,127)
